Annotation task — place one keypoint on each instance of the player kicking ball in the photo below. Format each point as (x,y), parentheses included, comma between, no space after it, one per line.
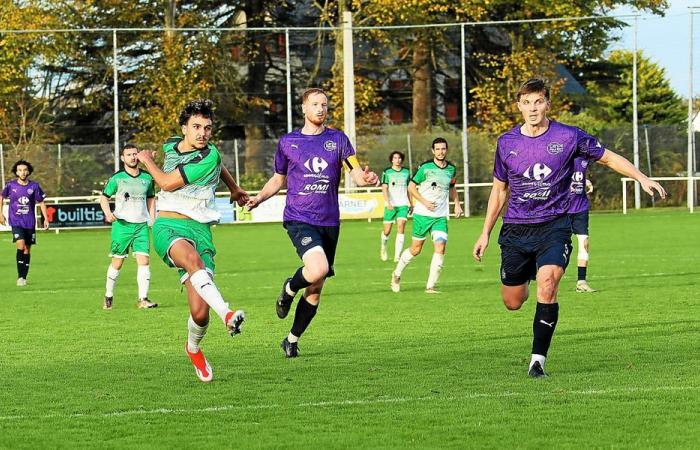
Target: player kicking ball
(533,169)
(431,188)
(182,234)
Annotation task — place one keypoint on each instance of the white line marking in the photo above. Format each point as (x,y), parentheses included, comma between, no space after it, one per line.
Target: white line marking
(359,402)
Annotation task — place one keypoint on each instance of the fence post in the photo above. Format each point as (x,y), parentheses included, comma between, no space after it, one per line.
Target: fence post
(289,80)
(635,126)
(410,157)
(465,144)
(115,81)
(2,166)
(60,171)
(235,156)
(691,131)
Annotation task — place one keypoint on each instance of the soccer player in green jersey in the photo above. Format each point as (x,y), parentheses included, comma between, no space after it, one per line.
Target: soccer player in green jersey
(135,207)
(182,235)
(397,203)
(431,187)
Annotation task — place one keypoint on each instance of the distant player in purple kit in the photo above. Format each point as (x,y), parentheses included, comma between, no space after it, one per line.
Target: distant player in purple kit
(310,161)
(578,209)
(23,195)
(535,162)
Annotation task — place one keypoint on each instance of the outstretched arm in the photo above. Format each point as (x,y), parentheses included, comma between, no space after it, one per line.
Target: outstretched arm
(497,198)
(272,187)
(238,195)
(622,166)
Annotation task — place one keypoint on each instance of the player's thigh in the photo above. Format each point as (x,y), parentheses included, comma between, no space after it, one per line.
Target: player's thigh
(548,278)
(141,242)
(390,215)
(122,236)
(438,232)
(579,223)
(312,246)
(518,266)
(514,296)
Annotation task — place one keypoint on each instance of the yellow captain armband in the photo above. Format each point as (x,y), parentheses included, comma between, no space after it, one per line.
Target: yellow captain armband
(352,162)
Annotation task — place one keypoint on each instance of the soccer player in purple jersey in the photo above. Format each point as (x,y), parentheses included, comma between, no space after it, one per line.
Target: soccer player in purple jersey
(23,195)
(533,167)
(578,209)
(310,161)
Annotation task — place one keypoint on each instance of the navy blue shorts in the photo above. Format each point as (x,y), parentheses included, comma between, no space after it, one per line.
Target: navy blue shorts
(305,236)
(28,235)
(527,247)
(579,222)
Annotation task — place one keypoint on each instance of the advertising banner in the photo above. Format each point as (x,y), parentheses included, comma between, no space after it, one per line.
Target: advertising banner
(362,205)
(75,215)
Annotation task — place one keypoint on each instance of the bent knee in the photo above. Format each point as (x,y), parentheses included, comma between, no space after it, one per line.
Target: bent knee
(317,273)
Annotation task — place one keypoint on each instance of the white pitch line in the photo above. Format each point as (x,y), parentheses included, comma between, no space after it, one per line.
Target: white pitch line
(358,402)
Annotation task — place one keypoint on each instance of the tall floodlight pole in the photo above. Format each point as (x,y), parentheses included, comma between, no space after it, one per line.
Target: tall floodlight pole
(289,81)
(635,130)
(116,100)
(348,84)
(465,147)
(691,131)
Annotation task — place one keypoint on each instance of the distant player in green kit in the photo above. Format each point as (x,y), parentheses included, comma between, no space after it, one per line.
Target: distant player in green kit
(397,203)
(431,188)
(182,234)
(135,206)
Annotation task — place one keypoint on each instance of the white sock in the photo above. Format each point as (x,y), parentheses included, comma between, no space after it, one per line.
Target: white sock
(398,245)
(537,358)
(405,258)
(385,238)
(292,339)
(205,287)
(143,279)
(435,268)
(112,275)
(195,334)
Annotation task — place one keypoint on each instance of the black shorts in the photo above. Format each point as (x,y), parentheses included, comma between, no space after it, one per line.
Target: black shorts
(579,222)
(28,235)
(527,247)
(305,236)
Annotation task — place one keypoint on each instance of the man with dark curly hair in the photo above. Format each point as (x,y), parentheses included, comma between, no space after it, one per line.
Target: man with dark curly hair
(24,194)
(186,206)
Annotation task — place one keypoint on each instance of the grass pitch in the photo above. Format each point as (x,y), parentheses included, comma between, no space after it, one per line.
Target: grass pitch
(376,369)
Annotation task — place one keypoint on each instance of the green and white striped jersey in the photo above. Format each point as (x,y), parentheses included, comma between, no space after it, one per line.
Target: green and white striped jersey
(397,182)
(201,170)
(130,194)
(434,183)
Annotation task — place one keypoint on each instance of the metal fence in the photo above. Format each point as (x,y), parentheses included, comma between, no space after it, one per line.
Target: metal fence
(397,89)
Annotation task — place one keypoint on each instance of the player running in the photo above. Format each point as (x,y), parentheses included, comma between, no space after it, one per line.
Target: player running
(134,209)
(397,203)
(23,195)
(310,161)
(182,235)
(533,167)
(581,186)
(432,187)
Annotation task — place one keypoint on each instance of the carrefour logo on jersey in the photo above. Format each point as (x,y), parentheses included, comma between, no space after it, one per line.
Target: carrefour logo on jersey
(538,171)
(316,164)
(23,200)
(578,176)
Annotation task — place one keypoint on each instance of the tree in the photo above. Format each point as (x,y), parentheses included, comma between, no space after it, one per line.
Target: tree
(656,100)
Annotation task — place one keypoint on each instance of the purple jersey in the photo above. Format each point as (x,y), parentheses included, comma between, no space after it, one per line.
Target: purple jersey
(538,170)
(579,199)
(312,165)
(23,198)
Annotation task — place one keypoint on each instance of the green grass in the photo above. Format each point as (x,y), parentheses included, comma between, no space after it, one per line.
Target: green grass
(377,369)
